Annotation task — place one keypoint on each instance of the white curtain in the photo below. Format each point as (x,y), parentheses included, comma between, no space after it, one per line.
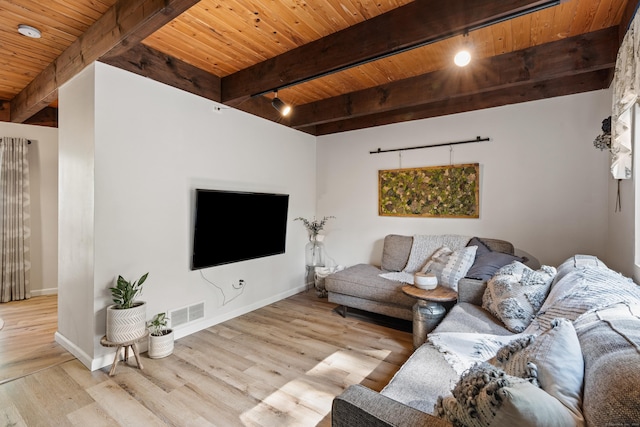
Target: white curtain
(626,89)
(14,220)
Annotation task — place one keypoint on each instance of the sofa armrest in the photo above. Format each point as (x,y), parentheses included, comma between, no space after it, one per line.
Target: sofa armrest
(471,290)
(360,406)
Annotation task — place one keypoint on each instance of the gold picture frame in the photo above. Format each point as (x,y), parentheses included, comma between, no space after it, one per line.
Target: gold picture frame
(451,191)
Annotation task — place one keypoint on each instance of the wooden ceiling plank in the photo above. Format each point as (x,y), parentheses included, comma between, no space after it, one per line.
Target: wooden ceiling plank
(301,23)
(542,28)
(147,62)
(88,12)
(588,52)
(39,19)
(563,20)
(502,40)
(529,92)
(238,32)
(405,26)
(126,23)
(585,16)
(607,14)
(198,52)
(225,31)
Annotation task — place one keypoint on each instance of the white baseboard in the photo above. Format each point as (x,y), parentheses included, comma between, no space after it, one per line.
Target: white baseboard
(83,357)
(48,291)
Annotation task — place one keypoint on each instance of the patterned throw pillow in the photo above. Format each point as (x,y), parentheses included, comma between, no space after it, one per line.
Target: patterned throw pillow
(553,360)
(450,266)
(486,395)
(515,294)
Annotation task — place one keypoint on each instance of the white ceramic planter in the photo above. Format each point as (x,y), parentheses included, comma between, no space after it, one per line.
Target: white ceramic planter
(124,325)
(160,346)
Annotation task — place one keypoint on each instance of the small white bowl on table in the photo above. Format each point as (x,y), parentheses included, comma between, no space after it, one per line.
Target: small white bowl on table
(426,281)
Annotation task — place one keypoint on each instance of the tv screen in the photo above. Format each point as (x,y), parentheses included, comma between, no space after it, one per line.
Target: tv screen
(232,226)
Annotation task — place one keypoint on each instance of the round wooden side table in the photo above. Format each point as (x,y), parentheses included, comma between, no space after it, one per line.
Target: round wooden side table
(124,346)
(428,310)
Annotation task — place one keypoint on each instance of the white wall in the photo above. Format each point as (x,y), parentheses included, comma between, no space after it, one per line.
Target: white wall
(43,181)
(623,221)
(153,146)
(621,227)
(544,186)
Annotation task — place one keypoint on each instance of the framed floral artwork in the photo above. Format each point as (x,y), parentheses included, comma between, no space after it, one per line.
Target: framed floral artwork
(450,191)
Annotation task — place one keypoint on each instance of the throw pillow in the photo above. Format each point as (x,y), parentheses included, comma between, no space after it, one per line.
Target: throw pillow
(488,262)
(450,266)
(553,359)
(486,395)
(516,292)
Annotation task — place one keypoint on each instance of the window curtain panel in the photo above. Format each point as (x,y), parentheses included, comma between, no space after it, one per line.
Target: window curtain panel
(626,88)
(14,220)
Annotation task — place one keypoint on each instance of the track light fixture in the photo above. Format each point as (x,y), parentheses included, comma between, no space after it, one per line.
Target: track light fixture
(463,57)
(279,105)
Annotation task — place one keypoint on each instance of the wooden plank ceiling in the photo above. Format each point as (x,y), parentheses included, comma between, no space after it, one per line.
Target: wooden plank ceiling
(342,64)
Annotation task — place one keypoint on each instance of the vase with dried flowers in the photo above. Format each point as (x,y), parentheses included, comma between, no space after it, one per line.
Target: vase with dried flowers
(314,250)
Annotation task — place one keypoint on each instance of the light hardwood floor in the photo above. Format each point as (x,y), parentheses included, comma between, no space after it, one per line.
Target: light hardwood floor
(280,365)
(27,340)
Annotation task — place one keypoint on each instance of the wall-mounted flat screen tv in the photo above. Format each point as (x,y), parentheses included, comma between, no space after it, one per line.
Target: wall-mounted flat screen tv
(232,226)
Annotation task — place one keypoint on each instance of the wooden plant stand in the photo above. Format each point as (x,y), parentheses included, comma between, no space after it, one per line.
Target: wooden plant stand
(124,346)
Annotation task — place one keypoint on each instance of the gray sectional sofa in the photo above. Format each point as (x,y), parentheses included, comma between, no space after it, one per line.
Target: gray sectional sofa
(602,309)
(361,287)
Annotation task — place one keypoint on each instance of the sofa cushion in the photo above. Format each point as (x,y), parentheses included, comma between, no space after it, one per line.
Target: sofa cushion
(610,340)
(553,360)
(450,266)
(487,396)
(516,293)
(487,261)
(395,252)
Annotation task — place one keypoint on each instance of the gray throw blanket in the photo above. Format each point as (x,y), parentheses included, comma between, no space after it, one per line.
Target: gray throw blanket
(580,292)
(421,250)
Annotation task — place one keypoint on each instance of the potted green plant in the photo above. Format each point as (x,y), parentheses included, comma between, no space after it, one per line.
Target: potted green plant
(126,317)
(160,337)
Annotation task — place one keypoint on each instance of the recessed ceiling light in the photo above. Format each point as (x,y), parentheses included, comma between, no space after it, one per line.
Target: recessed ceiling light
(29,31)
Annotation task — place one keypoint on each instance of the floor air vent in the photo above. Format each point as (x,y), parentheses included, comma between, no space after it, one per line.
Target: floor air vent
(188,314)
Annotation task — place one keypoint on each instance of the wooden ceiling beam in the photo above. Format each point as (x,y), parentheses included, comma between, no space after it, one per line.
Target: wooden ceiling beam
(148,62)
(629,12)
(5,111)
(569,85)
(48,116)
(125,24)
(580,54)
(417,23)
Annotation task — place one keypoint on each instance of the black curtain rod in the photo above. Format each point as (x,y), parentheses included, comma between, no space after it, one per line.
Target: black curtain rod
(444,144)
(28,141)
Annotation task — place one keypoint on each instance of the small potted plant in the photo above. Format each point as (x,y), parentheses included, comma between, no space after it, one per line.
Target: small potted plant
(126,318)
(160,337)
